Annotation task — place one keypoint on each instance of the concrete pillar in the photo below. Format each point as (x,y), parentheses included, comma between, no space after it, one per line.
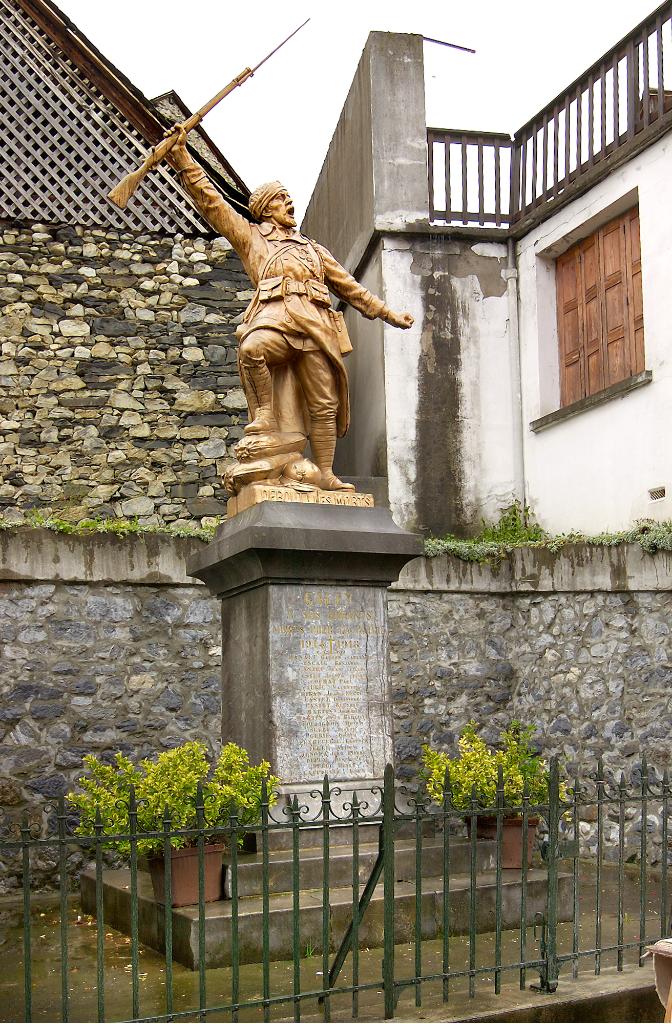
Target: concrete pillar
(375,173)
(399,130)
(374,180)
(304,636)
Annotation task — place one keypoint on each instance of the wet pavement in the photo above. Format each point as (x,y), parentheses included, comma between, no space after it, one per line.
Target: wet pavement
(417,1002)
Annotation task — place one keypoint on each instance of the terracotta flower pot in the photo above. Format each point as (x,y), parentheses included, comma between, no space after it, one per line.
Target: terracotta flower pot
(184,875)
(512,837)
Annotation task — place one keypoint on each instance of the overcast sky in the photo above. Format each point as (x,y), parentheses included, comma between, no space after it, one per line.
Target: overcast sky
(279,124)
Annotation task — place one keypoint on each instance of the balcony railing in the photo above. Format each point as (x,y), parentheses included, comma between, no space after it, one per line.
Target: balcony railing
(470,175)
(617,107)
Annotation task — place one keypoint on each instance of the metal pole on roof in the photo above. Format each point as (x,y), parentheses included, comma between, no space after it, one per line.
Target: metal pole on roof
(453,46)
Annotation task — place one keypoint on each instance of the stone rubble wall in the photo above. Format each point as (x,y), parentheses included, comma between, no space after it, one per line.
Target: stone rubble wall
(119,390)
(593,672)
(107,644)
(95,665)
(104,668)
(578,643)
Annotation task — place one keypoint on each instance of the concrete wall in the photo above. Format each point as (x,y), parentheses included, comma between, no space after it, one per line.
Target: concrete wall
(431,407)
(375,173)
(448,382)
(363,451)
(593,472)
(345,184)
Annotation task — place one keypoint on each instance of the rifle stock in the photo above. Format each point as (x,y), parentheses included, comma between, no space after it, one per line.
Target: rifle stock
(122,192)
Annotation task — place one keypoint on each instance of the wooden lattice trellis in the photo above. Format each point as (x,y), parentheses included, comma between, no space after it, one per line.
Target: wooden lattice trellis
(63,144)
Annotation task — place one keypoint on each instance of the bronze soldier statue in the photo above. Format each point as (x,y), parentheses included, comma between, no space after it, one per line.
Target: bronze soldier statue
(292,341)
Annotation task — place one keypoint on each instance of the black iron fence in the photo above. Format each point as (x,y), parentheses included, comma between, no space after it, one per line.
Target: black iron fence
(621,104)
(343,905)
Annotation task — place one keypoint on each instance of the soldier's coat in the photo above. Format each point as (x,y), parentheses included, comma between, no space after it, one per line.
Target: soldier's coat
(304,324)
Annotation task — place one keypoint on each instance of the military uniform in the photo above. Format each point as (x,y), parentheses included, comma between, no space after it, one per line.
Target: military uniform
(290,321)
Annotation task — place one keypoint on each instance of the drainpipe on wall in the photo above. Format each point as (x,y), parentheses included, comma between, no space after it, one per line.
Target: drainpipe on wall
(511,277)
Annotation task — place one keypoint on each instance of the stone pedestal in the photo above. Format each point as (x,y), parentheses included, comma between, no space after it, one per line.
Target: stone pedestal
(304,635)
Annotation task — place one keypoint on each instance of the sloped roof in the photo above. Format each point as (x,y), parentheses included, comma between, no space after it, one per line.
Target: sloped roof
(73,125)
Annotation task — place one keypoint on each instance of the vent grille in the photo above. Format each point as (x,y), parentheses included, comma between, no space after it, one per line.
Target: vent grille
(656,493)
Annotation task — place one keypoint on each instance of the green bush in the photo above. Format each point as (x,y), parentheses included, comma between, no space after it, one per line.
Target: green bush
(169,785)
(477,766)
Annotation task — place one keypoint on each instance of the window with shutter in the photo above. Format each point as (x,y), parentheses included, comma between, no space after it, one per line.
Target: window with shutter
(600,313)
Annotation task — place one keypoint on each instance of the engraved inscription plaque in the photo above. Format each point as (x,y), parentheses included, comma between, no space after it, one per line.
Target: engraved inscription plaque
(329,694)
(253,494)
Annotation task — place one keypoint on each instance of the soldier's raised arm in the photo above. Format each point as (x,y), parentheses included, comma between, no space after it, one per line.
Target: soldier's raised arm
(209,200)
(343,284)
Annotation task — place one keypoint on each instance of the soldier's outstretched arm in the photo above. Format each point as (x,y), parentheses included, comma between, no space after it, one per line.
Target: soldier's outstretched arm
(209,200)
(344,285)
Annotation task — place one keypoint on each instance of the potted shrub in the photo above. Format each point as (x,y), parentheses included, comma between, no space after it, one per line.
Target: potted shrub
(476,770)
(167,786)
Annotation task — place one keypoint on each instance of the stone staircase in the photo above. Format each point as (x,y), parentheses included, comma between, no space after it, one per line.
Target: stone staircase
(218,915)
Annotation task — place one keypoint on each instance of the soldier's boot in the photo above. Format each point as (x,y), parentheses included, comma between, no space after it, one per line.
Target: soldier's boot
(258,378)
(323,444)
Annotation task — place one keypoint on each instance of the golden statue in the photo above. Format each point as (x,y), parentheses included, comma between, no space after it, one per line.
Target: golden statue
(292,341)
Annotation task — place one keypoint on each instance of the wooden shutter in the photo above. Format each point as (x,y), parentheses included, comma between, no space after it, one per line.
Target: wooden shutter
(569,328)
(600,311)
(634,295)
(615,310)
(593,340)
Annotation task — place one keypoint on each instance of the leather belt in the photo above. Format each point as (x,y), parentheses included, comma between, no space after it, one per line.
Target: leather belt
(280,287)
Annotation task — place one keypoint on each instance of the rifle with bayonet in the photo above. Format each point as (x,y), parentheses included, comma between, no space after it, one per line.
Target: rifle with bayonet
(122,192)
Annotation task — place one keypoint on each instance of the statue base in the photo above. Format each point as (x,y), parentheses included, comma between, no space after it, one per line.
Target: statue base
(253,494)
(304,634)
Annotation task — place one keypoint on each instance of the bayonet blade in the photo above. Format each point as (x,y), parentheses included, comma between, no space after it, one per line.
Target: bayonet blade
(280,45)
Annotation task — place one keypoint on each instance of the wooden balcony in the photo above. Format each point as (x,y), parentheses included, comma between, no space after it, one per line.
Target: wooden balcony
(618,107)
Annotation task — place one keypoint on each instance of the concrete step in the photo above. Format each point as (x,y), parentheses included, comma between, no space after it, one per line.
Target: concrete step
(340,864)
(310,836)
(218,916)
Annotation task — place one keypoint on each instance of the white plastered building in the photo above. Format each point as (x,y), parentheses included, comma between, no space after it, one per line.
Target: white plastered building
(537,267)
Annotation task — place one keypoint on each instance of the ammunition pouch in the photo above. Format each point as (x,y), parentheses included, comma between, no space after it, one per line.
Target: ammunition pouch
(280,287)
